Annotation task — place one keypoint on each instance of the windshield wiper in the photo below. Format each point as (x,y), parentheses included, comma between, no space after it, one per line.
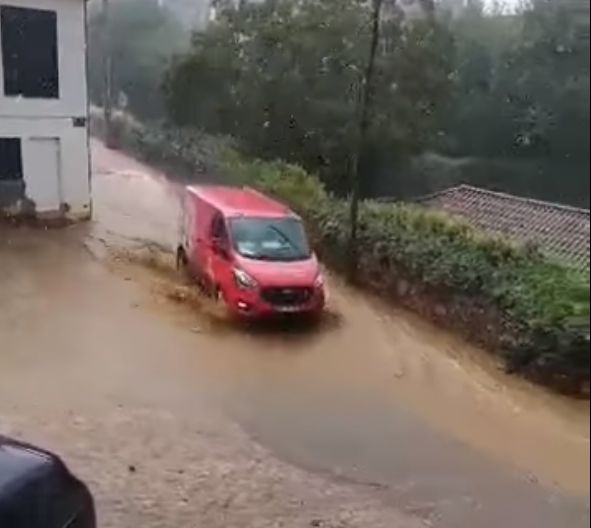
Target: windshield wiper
(294,246)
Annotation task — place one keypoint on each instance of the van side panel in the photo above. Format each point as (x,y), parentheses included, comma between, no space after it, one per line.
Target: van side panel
(202,219)
(187,223)
(199,247)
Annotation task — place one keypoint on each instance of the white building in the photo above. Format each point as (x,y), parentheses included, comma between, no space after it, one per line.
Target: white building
(44,162)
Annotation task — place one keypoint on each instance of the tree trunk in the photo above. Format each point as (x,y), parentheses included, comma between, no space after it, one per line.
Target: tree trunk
(366,104)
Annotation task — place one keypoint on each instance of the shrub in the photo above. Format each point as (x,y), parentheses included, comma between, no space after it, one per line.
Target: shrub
(288,183)
(192,153)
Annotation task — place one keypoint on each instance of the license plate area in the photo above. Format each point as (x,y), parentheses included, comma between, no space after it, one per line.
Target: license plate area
(288,309)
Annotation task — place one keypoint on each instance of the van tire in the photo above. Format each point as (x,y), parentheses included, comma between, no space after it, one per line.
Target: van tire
(218,295)
(218,304)
(220,300)
(181,259)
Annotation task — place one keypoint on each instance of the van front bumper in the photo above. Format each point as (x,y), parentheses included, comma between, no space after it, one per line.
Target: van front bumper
(266,302)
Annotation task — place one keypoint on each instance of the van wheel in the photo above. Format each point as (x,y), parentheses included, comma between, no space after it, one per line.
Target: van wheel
(218,296)
(219,299)
(181,259)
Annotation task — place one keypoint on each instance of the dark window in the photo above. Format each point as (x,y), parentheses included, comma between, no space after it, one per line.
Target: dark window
(218,229)
(11,165)
(29,52)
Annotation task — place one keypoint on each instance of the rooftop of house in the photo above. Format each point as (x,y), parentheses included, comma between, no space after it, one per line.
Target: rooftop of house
(559,230)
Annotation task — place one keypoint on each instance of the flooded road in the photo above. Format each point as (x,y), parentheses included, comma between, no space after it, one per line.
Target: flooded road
(372,397)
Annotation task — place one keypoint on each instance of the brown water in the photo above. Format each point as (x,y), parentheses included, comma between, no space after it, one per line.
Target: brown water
(371,394)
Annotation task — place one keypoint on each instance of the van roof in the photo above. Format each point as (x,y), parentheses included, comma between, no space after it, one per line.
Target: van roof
(240,201)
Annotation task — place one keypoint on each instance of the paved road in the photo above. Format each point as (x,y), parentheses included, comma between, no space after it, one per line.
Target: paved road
(178,418)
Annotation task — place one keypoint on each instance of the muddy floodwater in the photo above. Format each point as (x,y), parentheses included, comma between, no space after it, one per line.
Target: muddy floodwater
(370,395)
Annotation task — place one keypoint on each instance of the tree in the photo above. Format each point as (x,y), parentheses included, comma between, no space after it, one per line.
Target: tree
(482,42)
(519,118)
(548,85)
(365,114)
(285,76)
(141,37)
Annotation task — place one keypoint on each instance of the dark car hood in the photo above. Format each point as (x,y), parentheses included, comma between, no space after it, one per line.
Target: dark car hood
(36,489)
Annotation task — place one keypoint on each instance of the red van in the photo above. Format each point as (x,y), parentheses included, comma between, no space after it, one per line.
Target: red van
(249,250)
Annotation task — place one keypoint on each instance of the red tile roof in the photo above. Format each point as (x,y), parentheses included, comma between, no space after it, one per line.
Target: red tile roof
(558,230)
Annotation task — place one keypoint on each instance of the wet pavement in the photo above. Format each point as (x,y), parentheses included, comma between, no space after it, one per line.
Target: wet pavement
(372,399)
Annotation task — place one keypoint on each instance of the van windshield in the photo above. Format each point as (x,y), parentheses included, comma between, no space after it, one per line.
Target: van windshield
(278,239)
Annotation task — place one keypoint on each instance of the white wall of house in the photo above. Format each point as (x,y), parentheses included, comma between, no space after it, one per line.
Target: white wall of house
(51,129)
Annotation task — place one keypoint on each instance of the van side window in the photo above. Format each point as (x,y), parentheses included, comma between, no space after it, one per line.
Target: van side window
(218,229)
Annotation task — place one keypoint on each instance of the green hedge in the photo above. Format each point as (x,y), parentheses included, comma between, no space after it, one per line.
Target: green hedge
(544,306)
(190,153)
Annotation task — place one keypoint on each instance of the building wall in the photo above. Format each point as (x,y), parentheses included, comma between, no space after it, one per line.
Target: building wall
(63,119)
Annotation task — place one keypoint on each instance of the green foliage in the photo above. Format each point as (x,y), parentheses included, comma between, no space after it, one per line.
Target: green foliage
(503,96)
(526,76)
(289,183)
(142,37)
(284,76)
(559,357)
(192,152)
(551,95)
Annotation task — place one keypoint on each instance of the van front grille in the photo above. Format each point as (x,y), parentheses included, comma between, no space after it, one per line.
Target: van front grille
(286,296)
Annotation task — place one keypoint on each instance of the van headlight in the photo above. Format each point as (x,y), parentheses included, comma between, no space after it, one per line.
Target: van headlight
(244,280)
